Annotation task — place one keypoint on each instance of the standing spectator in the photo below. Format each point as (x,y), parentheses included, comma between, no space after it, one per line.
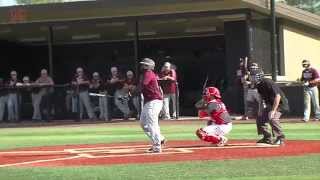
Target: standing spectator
(81,84)
(152,105)
(168,80)
(115,83)
(242,76)
(12,102)
(310,78)
(130,85)
(275,104)
(3,99)
(97,86)
(43,85)
(26,97)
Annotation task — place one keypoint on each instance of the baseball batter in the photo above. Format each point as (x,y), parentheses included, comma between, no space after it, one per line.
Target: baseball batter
(219,123)
(153,101)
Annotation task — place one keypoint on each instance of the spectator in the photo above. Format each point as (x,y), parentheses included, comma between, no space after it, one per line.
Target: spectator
(81,84)
(97,86)
(130,85)
(3,99)
(310,78)
(44,84)
(115,83)
(168,80)
(12,102)
(26,98)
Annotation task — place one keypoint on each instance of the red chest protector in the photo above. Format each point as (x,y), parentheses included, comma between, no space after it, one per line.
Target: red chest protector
(216,114)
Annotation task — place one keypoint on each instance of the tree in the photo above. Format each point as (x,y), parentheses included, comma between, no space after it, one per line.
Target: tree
(308,5)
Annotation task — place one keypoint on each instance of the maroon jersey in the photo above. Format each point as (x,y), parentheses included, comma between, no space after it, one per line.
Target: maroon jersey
(150,87)
(218,112)
(310,74)
(169,86)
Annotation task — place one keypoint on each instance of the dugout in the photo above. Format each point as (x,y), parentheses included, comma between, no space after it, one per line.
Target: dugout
(202,37)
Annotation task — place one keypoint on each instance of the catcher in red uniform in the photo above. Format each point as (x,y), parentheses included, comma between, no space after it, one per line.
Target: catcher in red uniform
(219,123)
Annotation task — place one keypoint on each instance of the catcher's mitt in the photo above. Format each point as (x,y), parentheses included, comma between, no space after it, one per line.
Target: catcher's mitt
(201,104)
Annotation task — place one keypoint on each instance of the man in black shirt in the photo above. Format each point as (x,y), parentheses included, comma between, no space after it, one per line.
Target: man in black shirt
(274,103)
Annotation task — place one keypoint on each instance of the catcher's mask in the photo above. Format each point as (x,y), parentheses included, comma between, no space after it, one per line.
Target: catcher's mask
(256,76)
(253,67)
(210,93)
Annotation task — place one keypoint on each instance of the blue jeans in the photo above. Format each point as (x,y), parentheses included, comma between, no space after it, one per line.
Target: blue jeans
(311,95)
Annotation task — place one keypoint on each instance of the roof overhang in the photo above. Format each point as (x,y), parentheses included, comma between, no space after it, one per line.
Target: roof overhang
(110,9)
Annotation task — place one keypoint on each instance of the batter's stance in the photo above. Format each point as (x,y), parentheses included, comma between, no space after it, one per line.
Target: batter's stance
(219,123)
(153,101)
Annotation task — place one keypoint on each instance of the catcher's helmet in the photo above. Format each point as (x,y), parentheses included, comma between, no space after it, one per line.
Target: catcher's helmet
(211,92)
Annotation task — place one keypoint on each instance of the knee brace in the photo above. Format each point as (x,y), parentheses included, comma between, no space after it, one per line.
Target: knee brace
(201,134)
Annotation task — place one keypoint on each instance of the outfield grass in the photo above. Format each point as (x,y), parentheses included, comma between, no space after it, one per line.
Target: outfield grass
(107,133)
(280,168)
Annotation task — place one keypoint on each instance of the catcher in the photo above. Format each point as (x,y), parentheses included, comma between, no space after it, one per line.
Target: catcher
(219,123)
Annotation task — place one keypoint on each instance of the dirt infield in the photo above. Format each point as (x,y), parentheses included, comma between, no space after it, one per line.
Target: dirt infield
(125,153)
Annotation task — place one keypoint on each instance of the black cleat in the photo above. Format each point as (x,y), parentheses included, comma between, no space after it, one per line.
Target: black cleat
(163,143)
(265,141)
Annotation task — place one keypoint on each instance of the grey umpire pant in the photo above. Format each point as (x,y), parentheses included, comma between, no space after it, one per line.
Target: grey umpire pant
(262,125)
(3,102)
(13,106)
(84,101)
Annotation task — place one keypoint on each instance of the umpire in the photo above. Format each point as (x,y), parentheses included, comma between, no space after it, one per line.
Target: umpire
(274,103)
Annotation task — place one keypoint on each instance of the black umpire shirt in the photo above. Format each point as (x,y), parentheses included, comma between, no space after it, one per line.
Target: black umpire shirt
(268,90)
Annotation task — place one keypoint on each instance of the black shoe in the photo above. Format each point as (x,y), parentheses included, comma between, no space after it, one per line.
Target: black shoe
(151,150)
(279,141)
(163,142)
(265,141)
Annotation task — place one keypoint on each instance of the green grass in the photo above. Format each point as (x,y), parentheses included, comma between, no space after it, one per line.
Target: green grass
(107,133)
(289,168)
(280,168)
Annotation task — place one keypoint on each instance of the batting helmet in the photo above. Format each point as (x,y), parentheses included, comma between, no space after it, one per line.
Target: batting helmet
(148,62)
